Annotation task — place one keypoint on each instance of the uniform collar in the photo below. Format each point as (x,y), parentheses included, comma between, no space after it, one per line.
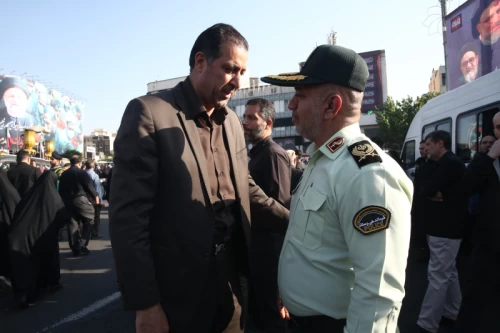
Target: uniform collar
(335,145)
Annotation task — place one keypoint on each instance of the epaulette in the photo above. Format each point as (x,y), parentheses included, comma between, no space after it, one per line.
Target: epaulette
(364,153)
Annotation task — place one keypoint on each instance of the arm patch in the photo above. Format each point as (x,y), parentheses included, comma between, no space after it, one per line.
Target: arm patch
(364,153)
(371,219)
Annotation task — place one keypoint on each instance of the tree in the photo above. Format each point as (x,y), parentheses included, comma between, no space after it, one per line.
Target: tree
(71,152)
(394,118)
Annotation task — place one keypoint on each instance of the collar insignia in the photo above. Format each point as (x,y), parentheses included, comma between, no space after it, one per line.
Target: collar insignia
(335,144)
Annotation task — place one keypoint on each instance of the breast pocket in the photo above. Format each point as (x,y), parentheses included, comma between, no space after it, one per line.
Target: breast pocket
(309,219)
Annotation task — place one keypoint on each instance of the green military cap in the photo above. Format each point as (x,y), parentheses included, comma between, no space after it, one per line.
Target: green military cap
(327,64)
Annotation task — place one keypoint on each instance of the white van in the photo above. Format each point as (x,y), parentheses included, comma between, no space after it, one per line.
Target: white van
(465,112)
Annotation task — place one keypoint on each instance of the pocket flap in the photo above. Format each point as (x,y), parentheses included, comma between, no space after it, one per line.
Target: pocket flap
(312,199)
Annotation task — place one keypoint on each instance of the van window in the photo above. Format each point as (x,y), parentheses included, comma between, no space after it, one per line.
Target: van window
(408,155)
(442,125)
(471,127)
(466,140)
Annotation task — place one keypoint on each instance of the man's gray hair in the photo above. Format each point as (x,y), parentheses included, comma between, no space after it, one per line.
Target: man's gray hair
(267,111)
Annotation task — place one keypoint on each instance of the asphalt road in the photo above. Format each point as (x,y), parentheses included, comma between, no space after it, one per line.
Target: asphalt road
(89,302)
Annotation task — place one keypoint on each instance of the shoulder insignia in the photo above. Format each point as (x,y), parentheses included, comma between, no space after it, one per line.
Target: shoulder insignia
(371,219)
(364,153)
(335,144)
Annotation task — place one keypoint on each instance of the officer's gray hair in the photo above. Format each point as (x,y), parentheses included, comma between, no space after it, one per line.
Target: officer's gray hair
(266,111)
(351,98)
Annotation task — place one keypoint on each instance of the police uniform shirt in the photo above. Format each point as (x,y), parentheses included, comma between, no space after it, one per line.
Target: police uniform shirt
(346,247)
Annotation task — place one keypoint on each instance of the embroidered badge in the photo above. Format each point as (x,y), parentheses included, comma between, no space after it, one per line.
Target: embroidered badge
(364,153)
(335,144)
(371,219)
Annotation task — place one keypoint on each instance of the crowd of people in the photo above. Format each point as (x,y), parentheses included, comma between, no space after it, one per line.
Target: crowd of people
(230,240)
(36,207)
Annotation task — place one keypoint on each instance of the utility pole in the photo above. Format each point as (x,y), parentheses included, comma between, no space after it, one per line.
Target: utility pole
(332,38)
(443,20)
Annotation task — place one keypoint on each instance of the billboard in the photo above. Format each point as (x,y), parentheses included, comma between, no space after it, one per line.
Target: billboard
(473,46)
(376,86)
(29,104)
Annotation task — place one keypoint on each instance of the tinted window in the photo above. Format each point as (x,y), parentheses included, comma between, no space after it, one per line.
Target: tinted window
(408,155)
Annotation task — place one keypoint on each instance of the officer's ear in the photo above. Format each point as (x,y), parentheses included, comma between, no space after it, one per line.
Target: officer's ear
(333,106)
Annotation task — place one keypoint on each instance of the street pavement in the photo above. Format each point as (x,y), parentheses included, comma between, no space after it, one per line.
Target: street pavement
(89,302)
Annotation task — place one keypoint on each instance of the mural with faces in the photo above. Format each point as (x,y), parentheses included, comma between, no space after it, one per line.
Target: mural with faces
(25,103)
(473,41)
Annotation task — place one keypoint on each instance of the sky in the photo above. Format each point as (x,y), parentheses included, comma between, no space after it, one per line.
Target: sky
(107,51)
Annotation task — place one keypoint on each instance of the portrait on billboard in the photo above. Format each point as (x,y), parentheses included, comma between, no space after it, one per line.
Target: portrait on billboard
(473,47)
(30,104)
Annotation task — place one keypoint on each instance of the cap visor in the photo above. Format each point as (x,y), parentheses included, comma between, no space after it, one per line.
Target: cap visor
(290,80)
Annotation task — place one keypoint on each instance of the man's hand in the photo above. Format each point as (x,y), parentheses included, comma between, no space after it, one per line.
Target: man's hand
(283,311)
(151,320)
(96,200)
(495,150)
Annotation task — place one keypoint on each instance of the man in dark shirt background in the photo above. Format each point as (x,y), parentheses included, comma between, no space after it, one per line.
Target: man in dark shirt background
(75,188)
(446,217)
(423,169)
(23,176)
(270,167)
(480,306)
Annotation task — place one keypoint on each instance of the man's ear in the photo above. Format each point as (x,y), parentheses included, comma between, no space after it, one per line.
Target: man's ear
(334,104)
(200,62)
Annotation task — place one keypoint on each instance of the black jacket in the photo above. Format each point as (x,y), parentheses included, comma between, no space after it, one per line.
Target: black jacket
(270,168)
(75,182)
(423,171)
(22,177)
(445,218)
(481,177)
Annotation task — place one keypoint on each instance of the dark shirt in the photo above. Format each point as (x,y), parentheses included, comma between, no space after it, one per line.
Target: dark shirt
(212,137)
(423,171)
(75,182)
(218,167)
(23,176)
(270,167)
(446,218)
(481,177)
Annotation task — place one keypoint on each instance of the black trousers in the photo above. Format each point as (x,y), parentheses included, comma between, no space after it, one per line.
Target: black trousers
(480,305)
(97,220)
(317,324)
(80,210)
(264,257)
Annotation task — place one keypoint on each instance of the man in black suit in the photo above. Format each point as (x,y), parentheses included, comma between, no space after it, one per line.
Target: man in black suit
(75,188)
(270,167)
(180,209)
(23,176)
(446,216)
(480,306)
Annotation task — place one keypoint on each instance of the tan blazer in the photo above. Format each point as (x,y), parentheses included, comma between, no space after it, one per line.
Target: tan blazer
(160,213)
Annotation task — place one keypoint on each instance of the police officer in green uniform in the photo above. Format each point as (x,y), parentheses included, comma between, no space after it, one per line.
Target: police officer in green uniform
(55,163)
(342,265)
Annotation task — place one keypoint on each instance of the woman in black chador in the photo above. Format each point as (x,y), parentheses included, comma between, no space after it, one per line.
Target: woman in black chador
(33,240)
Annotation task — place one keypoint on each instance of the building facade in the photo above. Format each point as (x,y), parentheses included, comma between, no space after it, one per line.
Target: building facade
(438,80)
(99,143)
